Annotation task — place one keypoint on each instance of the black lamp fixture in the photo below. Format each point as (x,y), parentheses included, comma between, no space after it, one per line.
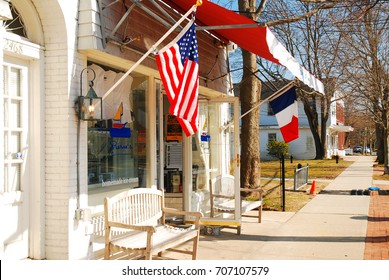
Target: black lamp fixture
(90,106)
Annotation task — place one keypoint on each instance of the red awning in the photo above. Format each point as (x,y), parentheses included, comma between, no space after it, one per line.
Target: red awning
(210,14)
(258,40)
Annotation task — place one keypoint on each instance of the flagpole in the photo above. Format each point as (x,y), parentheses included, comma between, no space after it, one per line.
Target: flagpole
(153,48)
(274,95)
(280,91)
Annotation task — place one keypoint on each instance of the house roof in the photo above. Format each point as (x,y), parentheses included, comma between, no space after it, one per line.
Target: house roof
(340,128)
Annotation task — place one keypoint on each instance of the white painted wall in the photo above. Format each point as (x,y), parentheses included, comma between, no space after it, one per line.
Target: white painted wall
(301,148)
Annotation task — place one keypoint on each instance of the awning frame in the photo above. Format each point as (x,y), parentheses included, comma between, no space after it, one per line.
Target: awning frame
(271,49)
(232,26)
(267,46)
(137,3)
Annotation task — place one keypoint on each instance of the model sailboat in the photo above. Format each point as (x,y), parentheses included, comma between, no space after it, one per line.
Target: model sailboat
(119,129)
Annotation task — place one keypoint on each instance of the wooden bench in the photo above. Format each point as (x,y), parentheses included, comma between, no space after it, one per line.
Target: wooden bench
(222,198)
(135,222)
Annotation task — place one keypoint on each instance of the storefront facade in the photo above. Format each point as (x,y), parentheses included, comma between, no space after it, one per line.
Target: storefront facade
(56,168)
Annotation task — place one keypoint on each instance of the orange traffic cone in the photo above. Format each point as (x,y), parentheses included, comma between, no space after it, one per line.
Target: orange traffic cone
(312,191)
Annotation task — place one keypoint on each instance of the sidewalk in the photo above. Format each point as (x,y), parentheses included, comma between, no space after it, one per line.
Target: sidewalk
(330,227)
(377,236)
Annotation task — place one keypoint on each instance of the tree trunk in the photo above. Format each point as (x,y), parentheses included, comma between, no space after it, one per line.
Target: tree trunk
(313,120)
(386,159)
(324,109)
(250,90)
(385,141)
(380,142)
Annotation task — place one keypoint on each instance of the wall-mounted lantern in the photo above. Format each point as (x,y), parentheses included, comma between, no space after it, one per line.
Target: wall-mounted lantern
(90,106)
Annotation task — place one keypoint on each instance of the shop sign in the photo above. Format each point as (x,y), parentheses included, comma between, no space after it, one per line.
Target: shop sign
(173,129)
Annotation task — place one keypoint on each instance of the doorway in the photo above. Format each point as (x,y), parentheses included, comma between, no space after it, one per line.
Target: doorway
(187,164)
(14,190)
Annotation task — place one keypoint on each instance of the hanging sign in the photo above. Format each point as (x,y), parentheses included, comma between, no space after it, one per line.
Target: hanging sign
(173,129)
(205,137)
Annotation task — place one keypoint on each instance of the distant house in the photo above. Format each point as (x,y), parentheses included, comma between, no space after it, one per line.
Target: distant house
(336,129)
(304,146)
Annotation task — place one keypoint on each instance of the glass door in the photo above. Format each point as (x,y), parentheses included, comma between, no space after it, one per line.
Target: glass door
(170,150)
(215,162)
(187,166)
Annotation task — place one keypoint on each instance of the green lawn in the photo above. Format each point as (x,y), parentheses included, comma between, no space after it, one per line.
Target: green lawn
(318,169)
(325,169)
(379,173)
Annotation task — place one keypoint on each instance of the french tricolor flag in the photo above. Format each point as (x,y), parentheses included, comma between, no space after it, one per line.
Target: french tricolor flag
(285,108)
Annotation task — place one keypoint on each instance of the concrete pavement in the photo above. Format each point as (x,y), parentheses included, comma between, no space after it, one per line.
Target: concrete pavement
(330,227)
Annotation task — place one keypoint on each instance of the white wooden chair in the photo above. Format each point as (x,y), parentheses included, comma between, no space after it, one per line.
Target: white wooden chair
(222,198)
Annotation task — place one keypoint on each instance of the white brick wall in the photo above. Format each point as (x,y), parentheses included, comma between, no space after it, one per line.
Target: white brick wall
(63,237)
(2,31)
(56,192)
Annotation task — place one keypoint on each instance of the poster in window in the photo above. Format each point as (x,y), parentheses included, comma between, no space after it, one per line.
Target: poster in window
(173,129)
(173,155)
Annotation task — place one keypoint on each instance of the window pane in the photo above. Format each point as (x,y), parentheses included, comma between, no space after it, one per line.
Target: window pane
(14,82)
(14,117)
(117,149)
(14,183)
(272,137)
(14,145)
(16,24)
(6,150)
(5,79)
(5,106)
(139,101)
(111,160)
(5,178)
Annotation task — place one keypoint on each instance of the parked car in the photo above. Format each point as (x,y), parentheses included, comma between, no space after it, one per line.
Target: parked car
(348,151)
(358,150)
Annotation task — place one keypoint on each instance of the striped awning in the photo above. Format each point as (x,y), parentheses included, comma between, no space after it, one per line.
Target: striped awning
(250,36)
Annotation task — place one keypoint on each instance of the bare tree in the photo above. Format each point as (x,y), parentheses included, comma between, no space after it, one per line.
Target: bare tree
(365,54)
(250,88)
(313,40)
(315,44)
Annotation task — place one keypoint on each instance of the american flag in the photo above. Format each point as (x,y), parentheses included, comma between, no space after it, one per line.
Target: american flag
(178,66)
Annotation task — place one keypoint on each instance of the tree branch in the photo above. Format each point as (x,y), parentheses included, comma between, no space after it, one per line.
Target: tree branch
(321,1)
(306,15)
(261,7)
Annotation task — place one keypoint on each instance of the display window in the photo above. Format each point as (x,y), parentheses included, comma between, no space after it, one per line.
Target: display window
(117,144)
(148,149)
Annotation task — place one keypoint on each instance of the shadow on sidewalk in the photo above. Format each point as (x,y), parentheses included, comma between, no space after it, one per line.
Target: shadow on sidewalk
(264,238)
(378,219)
